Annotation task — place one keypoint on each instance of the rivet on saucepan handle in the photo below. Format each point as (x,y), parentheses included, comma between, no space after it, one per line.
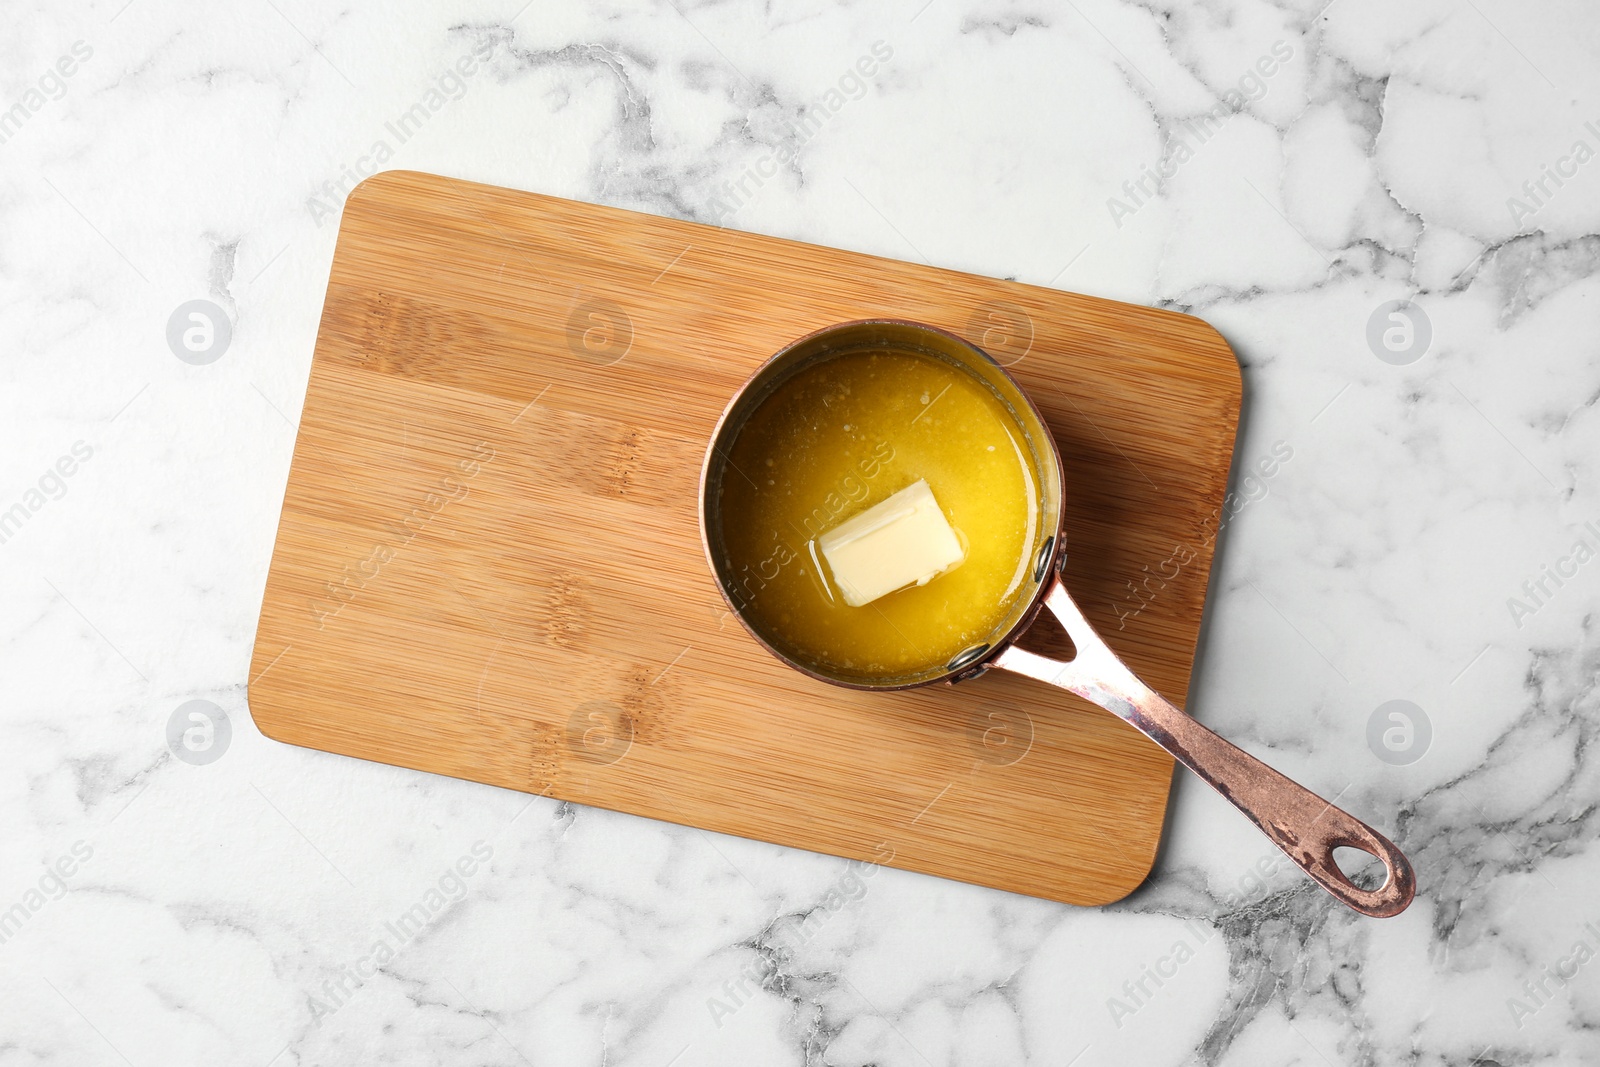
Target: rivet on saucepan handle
(970,655)
(1042,561)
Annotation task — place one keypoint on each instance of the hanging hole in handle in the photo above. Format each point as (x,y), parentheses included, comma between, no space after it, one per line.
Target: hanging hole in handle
(1363,869)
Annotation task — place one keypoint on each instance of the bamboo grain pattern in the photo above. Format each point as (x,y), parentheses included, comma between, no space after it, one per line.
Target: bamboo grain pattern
(488,563)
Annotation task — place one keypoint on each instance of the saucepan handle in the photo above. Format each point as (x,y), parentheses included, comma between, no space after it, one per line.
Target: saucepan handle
(1306,827)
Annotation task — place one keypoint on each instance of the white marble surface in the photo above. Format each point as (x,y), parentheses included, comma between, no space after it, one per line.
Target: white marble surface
(196,153)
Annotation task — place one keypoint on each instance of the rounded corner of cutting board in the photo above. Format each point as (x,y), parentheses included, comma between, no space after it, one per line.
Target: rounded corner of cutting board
(1226,358)
(1114,892)
(1142,858)
(384,181)
(264,708)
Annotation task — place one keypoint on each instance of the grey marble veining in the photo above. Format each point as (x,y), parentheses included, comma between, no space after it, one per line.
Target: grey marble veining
(177,890)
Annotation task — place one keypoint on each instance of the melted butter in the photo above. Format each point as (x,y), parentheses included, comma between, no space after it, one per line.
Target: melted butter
(842,436)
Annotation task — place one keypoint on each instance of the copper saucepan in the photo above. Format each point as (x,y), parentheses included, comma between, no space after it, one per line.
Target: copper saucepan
(1302,824)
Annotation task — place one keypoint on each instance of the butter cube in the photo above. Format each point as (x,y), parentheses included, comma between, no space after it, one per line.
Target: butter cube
(902,541)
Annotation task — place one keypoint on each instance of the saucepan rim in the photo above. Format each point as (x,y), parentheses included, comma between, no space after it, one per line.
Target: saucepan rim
(773,371)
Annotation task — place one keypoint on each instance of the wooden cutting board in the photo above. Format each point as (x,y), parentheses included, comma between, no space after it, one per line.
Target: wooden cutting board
(489,564)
